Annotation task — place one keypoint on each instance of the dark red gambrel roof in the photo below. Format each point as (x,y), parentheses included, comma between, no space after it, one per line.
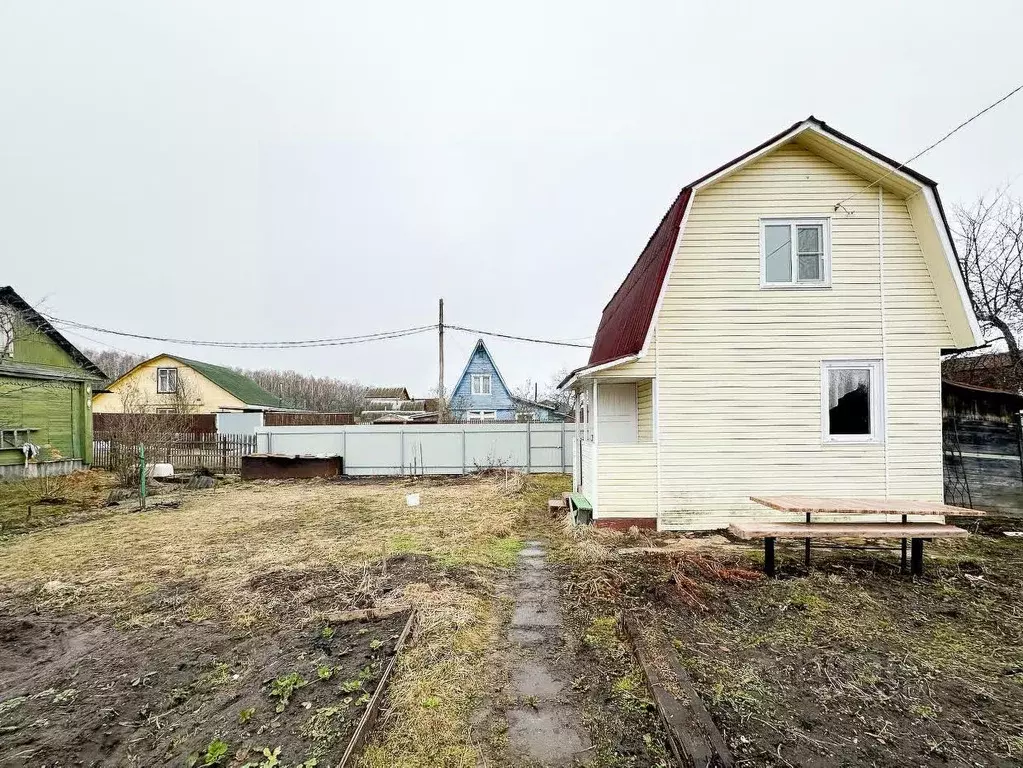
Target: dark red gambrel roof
(627,317)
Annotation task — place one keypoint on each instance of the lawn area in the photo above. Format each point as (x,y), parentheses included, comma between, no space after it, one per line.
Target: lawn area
(158,631)
(209,633)
(851,664)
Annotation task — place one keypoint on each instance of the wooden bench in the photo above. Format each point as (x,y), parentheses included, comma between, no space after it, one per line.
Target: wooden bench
(853,505)
(917,533)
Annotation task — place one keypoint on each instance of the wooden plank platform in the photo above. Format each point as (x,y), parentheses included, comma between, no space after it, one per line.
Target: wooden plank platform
(580,502)
(755,530)
(855,505)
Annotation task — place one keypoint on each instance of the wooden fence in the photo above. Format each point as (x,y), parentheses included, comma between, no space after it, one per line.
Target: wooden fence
(121,423)
(288,419)
(188,452)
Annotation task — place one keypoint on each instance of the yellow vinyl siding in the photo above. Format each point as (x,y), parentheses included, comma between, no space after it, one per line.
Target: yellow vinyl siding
(645,411)
(739,385)
(627,478)
(203,395)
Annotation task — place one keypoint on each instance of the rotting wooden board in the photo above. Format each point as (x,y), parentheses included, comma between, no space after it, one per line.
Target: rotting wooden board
(855,505)
(692,735)
(754,530)
(369,717)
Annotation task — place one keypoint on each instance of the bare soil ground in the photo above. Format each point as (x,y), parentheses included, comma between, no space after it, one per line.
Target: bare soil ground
(852,664)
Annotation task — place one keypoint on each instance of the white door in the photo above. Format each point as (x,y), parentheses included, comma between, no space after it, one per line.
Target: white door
(617,413)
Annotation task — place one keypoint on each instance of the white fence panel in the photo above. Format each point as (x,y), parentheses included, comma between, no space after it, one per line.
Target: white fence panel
(442,449)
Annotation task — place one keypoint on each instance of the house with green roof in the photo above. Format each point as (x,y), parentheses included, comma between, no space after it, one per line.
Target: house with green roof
(172,384)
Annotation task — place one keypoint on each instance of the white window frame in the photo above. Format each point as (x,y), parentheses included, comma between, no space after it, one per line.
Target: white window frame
(481,379)
(877,398)
(824,222)
(160,388)
(484,415)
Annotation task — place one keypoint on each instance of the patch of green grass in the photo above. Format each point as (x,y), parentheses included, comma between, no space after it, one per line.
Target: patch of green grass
(743,690)
(602,633)
(403,542)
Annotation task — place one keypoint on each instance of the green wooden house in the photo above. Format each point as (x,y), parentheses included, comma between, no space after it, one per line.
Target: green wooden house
(45,394)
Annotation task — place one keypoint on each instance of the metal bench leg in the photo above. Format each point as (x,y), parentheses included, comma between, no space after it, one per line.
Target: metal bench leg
(807,545)
(904,547)
(918,557)
(769,556)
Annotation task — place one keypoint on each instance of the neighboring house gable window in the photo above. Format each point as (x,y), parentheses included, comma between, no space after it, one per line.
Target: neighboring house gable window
(481,384)
(852,401)
(481,415)
(795,253)
(166,380)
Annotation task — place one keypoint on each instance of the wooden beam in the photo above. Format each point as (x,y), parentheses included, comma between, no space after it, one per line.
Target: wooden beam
(754,530)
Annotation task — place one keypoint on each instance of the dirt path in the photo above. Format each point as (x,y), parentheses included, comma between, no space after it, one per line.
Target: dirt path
(545,725)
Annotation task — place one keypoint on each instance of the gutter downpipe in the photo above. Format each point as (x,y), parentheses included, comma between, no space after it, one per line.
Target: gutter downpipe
(884,337)
(657,420)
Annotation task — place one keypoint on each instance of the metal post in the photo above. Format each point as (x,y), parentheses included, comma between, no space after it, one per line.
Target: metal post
(401,451)
(918,557)
(463,450)
(769,556)
(562,447)
(807,544)
(529,447)
(142,475)
(905,518)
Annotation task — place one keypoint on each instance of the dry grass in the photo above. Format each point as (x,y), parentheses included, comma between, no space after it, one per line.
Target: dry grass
(279,554)
(45,501)
(219,540)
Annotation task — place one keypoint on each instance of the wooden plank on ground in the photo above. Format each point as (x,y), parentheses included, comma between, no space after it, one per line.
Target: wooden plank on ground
(757,530)
(692,735)
(362,730)
(856,505)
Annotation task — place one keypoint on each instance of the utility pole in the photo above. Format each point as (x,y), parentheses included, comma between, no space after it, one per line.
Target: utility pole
(440,346)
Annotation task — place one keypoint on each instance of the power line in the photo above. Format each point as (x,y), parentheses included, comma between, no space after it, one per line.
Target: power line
(73,326)
(924,151)
(516,338)
(299,344)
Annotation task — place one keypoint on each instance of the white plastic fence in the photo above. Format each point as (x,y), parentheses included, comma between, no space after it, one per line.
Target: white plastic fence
(430,449)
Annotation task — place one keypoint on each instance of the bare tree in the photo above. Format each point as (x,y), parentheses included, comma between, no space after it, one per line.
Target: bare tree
(114,362)
(142,423)
(990,242)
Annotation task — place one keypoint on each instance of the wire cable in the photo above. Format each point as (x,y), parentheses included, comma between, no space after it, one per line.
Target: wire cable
(299,344)
(516,338)
(924,151)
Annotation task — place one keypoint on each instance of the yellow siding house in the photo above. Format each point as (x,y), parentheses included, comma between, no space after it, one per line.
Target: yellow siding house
(171,384)
(780,333)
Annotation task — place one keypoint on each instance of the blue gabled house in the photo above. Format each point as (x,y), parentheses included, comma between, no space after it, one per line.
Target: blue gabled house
(481,394)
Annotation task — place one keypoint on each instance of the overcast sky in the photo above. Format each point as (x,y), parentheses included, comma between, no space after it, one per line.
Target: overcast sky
(264,171)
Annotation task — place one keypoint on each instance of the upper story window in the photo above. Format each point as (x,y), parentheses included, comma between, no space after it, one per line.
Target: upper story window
(795,253)
(852,401)
(481,383)
(167,380)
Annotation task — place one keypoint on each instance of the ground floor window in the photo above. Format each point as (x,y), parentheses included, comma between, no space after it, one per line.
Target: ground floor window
(852,402)
(481,415)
